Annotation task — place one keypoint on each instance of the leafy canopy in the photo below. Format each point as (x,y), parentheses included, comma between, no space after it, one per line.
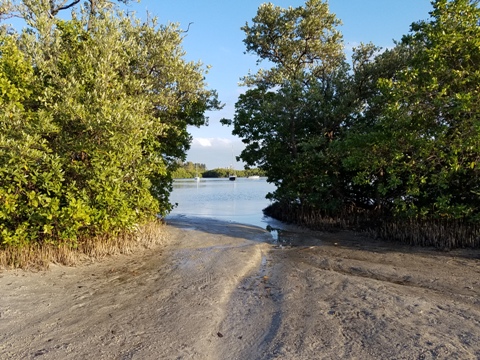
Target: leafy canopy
(393,135)
(93,121)
(304,49)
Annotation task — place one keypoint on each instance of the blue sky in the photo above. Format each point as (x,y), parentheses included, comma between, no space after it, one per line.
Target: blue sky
(215,38)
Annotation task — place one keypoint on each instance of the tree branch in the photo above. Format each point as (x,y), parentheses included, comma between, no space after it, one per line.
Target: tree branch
(188,28)
(54,11)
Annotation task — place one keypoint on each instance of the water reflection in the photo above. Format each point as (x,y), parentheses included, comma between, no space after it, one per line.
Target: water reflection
(239,201)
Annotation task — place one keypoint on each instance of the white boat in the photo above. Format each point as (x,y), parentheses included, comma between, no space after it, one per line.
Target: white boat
(232,177)
(254,177)
(196,178)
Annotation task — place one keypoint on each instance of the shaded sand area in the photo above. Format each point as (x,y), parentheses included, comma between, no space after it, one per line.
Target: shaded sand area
(220,290)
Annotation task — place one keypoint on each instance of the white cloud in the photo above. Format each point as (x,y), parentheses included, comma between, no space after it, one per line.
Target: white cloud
(216,152)
(202,142)
(211,142)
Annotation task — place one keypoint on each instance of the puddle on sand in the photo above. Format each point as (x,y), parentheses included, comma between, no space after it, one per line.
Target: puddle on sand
(293,237)
(273,232)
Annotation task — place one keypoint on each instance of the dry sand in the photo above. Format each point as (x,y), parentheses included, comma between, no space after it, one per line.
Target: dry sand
(222,291)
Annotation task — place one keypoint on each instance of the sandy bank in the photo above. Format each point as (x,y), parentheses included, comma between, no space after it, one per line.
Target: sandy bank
(220,291)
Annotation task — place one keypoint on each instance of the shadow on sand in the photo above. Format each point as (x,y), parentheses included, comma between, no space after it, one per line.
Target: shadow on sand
(282,235)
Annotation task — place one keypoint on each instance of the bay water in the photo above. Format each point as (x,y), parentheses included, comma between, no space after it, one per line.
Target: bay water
(240,201)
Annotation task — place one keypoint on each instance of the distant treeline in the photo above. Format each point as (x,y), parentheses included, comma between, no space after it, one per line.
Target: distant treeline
(189,170)
(225,172)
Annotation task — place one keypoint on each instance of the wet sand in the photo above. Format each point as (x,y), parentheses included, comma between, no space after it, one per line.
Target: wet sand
(220,290)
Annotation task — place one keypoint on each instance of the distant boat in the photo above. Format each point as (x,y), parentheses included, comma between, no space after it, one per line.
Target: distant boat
(232,176)
(196,178)
(254,177)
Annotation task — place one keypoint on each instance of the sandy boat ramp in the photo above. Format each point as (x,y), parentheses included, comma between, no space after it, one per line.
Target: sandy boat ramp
(219,290)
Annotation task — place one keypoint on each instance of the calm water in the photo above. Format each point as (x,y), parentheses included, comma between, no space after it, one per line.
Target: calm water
(239,201)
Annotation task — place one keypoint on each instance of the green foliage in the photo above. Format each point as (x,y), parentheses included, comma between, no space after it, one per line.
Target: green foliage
(394,136)
(421,151)
(366,150)
(189,170)
(30,176)
(297,41)
(250,172)
(274,117)
(216,173)
(226,172)
(93,122)
(441,112)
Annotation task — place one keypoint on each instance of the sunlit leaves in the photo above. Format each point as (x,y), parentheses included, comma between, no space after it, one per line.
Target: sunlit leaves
(94,120)
(421,149)
(298,42)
